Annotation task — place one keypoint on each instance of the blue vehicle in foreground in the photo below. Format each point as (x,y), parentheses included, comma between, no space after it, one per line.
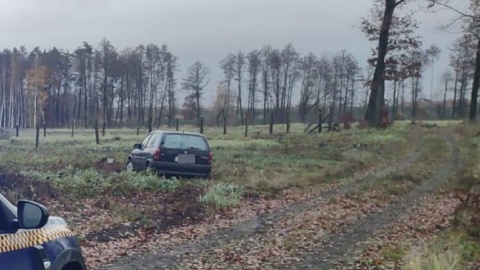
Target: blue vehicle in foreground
(31,239)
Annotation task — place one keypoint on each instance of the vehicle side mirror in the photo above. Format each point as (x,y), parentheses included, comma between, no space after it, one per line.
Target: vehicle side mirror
(137,146)
(31,215)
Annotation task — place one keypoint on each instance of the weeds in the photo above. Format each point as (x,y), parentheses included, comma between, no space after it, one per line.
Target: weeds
(448,260)
(453,250)
(222,195)
(394,254)
(90,182)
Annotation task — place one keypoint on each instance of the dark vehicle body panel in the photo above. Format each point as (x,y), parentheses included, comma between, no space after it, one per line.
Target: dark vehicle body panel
(169,161)
(59,251)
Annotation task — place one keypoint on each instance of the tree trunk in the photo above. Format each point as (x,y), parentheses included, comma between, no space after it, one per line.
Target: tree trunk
(377,98)
(472,117)
(197,97)
(444,113)
(394,109)
(455,88)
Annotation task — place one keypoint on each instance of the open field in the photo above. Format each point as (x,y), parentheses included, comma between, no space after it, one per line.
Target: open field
(273,201)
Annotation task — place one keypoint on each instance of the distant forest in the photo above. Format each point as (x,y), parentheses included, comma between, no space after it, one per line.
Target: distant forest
(138,86)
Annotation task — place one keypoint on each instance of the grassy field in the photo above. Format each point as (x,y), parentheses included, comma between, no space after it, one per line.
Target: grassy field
(104,204)
(260,163)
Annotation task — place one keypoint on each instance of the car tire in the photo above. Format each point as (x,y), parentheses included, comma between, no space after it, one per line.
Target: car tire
(129,166)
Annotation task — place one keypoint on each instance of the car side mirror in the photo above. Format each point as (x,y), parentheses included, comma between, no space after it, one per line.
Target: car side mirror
(137,146)
(31,215)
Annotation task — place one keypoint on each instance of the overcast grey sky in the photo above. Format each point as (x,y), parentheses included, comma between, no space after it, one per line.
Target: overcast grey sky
(205,30)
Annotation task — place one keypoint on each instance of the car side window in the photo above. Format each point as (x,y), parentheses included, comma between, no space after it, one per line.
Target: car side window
(145,141)
(152,141)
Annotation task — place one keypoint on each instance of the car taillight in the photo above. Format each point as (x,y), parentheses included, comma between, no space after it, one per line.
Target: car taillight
(210,157)
(156,155)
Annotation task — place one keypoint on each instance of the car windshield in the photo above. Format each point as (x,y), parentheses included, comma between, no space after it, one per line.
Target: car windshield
(185,141)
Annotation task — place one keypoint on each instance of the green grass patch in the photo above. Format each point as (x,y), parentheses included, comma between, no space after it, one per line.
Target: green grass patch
(223,195)
(90,182)
(393,254)
(263,162)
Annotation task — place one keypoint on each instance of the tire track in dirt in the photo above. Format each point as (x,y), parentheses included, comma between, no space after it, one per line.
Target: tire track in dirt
(163,259)
(341,246)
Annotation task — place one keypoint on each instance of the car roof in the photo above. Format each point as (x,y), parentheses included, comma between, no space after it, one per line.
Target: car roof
(176,132)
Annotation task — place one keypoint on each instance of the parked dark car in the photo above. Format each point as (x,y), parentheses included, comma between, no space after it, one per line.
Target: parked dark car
(31,239)
(172,153)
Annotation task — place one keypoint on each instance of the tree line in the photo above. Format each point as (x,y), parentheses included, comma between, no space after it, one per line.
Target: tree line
(138,86)
(135,86)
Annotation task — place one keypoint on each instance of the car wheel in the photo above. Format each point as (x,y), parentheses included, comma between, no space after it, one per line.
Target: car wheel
(129,166)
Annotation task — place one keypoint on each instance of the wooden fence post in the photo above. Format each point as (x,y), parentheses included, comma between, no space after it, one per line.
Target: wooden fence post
(37,135)
(176,124)
(288,122)
(73,125)
(138,131)
(103,128)
(271,123)
(97,137)
(320,119)
(44,130)
(224,125)
(246,125)
(201,125)
(16,129)
(330,119)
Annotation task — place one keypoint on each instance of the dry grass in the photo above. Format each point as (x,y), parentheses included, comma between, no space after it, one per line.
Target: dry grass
(452,250)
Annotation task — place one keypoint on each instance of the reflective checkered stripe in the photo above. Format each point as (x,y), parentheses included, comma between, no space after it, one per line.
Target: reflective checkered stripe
(30,238)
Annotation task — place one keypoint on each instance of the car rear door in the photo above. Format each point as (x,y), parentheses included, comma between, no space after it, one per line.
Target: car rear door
(187,149)
(138,157)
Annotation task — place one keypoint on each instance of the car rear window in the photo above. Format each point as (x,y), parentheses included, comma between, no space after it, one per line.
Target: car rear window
(185,141)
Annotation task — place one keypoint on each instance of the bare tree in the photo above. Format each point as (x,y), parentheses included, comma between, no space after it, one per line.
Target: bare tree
(310,75)
(239,64)
(471,26)
(415,65)
(228,67)
(170,62)
(254,61)
(381,33)
(195,82)
(289,59)
(463,63)
(154,75)
(265,57)
(107,57)
(447,77)
(433,53)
